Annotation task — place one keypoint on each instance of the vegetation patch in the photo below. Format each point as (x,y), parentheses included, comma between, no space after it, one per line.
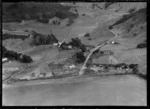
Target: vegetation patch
(131,10)
(41,39)
(13,36)
(11,55)
(142,45)
(107,4)
(16,12)
(139,16)
(75,43)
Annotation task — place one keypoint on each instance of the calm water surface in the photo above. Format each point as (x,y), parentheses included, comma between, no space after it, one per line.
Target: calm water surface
(120,90)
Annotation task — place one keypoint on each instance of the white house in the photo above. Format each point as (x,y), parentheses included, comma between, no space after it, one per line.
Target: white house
(70,47)
(55,44)
(72,66)
(4,59)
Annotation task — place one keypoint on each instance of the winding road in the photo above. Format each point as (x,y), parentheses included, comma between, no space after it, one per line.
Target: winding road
(81,72)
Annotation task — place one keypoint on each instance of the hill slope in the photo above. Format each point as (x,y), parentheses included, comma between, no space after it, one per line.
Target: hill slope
(16,12)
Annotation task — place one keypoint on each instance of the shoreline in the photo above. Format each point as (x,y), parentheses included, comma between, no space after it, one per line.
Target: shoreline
(69,79)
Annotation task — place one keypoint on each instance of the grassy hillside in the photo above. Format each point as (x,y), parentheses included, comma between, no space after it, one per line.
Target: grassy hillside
(16,12)
(136,17)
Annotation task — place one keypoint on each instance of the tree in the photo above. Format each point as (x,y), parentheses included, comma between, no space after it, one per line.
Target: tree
(83,48)
(76,42)
(134,67)
(142,45)
(110,27)
(26,59)
(93,5)
(41,39)
(87,35)
(96,51)
(80,58)
(64,46)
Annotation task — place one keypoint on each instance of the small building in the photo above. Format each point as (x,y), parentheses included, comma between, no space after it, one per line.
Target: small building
(72,66)
(5,60)
(113,42)
(70,47)
(55,44)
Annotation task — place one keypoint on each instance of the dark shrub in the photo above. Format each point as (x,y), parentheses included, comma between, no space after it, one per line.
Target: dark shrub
(12,55)
(141,27)
(26,59)
(83,48)
(131,25)
(87,35)
(76,10)
(76,42)
(135,34)
(42,39)
(93,6)
(131,10)
(89,39)
(83,14)
(107,4)
(80,58)
(64,46)
(96,51)
(110,27)
(142,45)
(44,20)
(134,67)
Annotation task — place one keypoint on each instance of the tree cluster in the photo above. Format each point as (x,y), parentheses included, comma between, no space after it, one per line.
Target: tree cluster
(41,12)
(75,43)
(107,4)
(142,45)
(40,39)
(12,55)
(80,58)
(131,10)
(87,35)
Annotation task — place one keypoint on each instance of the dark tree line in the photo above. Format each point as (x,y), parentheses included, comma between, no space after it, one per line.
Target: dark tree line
(16,12)
(12,55)
(139,15)
(40,39)
(13,36)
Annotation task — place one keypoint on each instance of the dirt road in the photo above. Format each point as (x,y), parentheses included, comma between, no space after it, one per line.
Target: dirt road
(81,72)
